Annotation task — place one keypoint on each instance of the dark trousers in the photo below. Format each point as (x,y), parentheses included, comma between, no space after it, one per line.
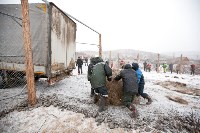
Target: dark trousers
(141,91)
(128,99)
(192,72)
(80,69)
(102,91)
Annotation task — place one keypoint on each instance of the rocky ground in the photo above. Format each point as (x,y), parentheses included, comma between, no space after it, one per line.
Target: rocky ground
(68,107)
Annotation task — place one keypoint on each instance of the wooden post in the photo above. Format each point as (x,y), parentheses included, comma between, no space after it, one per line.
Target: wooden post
(158,64)
(100,47)
(138,57)
(181,63)
(118,63)
(110,58)
(28,53)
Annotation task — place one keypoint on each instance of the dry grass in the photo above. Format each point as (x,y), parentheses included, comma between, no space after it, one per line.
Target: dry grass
(179,87)
(177,99)
(115,90)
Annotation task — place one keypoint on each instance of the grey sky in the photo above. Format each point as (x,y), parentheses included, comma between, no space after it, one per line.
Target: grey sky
(147,25)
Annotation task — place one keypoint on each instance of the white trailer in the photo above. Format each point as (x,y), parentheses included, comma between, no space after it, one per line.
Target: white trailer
(53,36)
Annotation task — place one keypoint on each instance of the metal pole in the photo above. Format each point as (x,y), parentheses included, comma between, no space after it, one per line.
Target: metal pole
(28,53)
(100,46)
(158,64)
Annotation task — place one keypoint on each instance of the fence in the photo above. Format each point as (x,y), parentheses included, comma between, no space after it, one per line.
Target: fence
(12,59)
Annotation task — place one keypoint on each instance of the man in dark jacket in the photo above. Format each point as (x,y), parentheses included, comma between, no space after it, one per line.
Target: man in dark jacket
(141,83)
(192,69)
(130,87)
(98,76)
(171,67)
(79,63)
(145,66)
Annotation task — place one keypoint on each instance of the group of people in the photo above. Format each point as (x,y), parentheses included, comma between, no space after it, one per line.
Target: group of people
(147,66)
(165,66)
(133,83)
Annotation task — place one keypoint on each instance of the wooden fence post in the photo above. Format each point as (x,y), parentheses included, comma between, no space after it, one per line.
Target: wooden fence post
(28,53)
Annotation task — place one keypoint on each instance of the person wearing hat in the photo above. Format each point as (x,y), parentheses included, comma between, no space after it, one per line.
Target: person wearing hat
(130,88)
(98,75)
(141,83)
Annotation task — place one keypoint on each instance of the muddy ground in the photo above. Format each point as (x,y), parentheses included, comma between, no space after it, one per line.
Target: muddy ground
(68,107)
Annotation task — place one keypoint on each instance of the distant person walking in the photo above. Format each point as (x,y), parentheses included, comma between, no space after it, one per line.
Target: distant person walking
(86,61)
(192,69)
(164,67)
(178,68)
(145,66)
(148,67)
(171,67)
(79,63)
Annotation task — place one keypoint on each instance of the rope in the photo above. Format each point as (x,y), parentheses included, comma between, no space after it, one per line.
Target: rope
(10,15)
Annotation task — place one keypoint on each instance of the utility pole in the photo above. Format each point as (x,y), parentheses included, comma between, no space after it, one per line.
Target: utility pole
(100,47)
(158,63)
(181,63)
(28,53)
(138,57)
(118,63)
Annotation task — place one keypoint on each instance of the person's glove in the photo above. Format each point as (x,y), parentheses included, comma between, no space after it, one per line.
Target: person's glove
(109,79)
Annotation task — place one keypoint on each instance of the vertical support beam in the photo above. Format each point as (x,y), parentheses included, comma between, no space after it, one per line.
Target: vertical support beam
(181,64)
(118,63)
(28,53)
(100,46)
(138,57)
(110,58)
(158,64)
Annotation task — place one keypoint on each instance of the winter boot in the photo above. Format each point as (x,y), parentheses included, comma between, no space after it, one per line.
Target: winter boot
(102,104)
(92,92)
(96,98)
(134,112)
(149,100)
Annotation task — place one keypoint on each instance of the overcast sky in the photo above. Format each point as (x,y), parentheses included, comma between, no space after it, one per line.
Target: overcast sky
(146,25)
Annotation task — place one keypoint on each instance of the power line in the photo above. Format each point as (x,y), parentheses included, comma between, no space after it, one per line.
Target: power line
(74,18)
(86,43)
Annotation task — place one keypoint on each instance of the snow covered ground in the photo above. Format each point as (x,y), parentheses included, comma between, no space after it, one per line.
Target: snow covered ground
(68,107)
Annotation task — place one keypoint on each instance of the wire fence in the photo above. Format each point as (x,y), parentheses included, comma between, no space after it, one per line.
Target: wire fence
(11,54)
(12,59)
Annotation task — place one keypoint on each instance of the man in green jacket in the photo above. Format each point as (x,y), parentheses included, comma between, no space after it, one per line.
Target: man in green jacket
(99,72)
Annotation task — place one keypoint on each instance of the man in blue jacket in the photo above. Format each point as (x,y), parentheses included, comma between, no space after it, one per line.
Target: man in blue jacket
(141,83)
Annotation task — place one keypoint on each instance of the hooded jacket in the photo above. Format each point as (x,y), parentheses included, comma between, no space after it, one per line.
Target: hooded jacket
(129,78)
(135,66)
(99,72)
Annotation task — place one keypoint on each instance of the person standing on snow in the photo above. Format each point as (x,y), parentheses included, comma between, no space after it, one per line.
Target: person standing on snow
(171,67)
(164,67)
(130,87)
(79,63)
(192,69)
(86,61)
(99,73)
(178,68)
(141,83)
(145,66)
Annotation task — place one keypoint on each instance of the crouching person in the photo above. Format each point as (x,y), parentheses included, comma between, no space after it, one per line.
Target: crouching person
(130,87)
(141,83)
(99,73)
